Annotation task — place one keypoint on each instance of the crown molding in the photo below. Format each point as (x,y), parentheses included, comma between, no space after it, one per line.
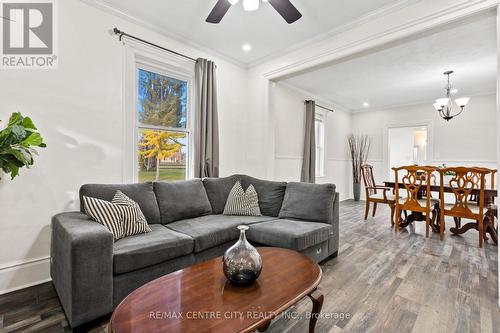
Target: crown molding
(106,7)
(376,14)
(447,15)
(336,106)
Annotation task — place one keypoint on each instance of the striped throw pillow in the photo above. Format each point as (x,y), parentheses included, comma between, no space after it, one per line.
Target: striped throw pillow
(241,203)
(105,213)
(134,221)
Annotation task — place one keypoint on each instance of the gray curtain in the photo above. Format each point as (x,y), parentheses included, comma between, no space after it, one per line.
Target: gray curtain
(308,174)
(206,144)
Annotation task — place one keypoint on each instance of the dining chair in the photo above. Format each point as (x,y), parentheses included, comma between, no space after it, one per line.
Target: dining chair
(474,196)
(415,181)
(491,208)
(462,183)
(474,177)
(376,193)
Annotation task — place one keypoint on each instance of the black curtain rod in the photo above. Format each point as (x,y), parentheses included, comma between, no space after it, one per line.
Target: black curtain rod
(321,107)
(121,34)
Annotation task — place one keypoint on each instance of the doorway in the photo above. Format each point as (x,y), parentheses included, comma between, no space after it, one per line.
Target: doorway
(407,146)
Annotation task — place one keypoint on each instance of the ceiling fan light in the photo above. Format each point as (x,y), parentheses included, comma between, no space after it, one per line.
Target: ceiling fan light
(233,2)
(462,102)
(251,5)
(443,101)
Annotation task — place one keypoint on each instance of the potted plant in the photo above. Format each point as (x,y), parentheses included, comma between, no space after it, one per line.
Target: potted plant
(448,175)
(359,147)
(16,144)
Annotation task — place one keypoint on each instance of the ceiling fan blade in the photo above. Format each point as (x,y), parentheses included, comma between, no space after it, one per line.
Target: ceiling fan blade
(286,9)
(220,9)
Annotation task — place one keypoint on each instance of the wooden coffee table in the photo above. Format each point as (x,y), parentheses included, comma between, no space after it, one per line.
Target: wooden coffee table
(199,298)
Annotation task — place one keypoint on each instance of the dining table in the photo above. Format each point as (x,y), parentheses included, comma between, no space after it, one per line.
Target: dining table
(489,203)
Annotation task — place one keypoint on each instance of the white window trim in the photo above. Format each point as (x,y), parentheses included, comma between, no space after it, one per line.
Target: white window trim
(139,56)
(321,116)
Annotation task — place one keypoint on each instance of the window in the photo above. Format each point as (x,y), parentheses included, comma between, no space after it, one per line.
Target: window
(320,145)
(163,131)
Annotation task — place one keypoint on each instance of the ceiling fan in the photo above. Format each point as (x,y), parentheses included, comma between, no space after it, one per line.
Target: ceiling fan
(284,7)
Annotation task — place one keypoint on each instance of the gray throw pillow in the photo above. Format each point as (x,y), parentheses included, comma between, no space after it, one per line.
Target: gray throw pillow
(310,202)
(182,200)
(242,203)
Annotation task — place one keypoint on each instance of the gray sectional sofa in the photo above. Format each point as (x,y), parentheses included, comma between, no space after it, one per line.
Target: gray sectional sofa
(93,274)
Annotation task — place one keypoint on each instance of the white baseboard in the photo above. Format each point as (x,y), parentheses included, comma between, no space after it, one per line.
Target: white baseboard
(24,274)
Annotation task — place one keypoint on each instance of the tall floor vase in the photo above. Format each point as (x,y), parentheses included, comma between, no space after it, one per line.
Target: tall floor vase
(356,189)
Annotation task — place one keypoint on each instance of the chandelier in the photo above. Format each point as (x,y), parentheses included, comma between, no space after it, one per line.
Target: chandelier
(445,105)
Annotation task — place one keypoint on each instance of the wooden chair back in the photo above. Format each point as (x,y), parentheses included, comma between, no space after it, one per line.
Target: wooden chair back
(368,179)
(462,183)
(423,175)
(475,178)
(415,181)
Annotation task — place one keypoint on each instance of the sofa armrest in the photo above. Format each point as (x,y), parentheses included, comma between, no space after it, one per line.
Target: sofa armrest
(334,239)
(82,266)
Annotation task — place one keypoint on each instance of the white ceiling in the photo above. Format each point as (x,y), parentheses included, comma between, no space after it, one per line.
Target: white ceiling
(264,29)
(410,72)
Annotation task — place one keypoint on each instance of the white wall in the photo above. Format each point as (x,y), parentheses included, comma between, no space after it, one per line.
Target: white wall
(287,105)
(78,109)
(468,139)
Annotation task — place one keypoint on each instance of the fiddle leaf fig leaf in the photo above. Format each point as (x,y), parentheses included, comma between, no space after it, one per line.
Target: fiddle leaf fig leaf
(15,119)
(34,139)
(28,123)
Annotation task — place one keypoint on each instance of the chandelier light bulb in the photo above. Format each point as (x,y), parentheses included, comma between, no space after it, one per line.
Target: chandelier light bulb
(443,101)
(462,102)
(251,5)
(233,2)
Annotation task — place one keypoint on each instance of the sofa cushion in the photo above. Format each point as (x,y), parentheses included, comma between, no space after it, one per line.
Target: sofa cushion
(289,234)
(270,194)
(218,190)
(310,202)
(159,245)
(182,200)
(141,193)
(213,230)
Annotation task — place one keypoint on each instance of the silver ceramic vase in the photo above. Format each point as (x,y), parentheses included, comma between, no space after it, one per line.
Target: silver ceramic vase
(242,262)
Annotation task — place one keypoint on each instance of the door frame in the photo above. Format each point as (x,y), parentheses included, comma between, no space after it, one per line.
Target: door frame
(414,123)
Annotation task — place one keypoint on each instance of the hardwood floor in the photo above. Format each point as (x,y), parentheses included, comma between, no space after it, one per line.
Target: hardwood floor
(382,281)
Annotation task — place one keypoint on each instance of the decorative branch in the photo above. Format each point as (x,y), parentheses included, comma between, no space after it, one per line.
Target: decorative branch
(359,146)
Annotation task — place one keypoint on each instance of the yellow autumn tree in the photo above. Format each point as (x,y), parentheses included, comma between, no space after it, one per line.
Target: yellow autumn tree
(159,145)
